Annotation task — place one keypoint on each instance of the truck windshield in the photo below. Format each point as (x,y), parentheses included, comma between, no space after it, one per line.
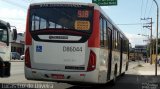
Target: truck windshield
(3,35)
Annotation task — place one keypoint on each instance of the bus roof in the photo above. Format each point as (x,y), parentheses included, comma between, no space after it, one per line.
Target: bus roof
(97,7)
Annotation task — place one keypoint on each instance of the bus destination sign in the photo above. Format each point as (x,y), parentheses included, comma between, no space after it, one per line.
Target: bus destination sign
(105,2)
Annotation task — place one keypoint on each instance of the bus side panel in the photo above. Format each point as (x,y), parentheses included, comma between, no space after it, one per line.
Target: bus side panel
(93,76)
(103,57)
(124,61)
(115,64)
(116,58)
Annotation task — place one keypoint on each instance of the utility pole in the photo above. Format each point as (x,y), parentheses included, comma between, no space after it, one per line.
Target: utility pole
(149,26)
(156,37)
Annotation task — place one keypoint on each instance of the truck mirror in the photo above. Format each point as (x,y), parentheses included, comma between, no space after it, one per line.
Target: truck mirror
(14,34)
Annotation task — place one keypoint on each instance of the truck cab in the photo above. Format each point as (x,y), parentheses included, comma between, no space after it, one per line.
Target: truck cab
(6,37)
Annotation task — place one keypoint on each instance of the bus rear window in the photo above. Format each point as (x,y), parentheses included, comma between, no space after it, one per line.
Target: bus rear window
(72,18)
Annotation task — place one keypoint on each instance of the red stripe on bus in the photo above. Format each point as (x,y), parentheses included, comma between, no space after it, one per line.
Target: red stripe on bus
(28,38)
(94,40)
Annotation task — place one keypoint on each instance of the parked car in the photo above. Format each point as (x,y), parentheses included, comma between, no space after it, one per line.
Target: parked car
(22,57)
(15,55)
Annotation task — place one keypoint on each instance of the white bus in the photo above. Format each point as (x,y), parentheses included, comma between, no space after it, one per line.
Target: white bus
(6,37)
(73,43)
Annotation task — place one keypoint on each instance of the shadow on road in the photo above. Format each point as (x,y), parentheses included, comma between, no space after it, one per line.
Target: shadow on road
(129,82)
(126,82)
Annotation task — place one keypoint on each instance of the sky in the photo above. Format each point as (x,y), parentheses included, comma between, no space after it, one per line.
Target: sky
(126,14)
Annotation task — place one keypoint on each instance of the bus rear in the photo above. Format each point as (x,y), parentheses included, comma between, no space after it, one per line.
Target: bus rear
(57,43)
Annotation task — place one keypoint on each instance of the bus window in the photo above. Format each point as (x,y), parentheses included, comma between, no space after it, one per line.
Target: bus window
(126,46)
(113,41)
(43,23)
(33,22)
(36,19)
(109,38)
(101,33)
(105,33)
(118,41)
(61,18)
(52,25)
(75,21)
(58,26)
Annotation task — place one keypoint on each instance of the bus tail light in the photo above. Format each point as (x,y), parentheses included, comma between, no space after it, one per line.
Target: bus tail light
(92,61)
(27,58)
(28,38)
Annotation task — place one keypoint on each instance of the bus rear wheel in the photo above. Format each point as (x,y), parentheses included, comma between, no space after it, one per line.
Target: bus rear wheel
(113,81)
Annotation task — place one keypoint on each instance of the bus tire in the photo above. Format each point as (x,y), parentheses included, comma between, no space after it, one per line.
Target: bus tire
(113,81)
(123,74)
(127,66)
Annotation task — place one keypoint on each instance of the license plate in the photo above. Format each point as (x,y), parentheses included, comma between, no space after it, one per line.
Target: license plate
(57,76)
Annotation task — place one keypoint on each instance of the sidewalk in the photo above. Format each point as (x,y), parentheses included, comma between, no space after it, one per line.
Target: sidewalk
(142,76)
(147,69)
(141,68)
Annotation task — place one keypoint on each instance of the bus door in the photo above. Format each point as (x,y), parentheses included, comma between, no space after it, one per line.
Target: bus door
(109,53)
(121,52)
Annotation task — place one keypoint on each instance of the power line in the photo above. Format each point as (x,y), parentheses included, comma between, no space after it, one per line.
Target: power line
(141,8)
(131,24)
(142,5)
(146,8)
(28,1)
(13,3)
(134,23)
(20,19)
(150,8)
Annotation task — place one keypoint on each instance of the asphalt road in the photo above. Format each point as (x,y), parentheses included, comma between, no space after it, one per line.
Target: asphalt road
(129,81)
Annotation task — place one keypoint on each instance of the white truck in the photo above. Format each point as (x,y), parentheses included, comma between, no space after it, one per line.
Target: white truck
(6,37)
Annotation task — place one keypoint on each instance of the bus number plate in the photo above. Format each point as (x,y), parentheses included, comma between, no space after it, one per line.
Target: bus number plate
(72,49)
(57,76)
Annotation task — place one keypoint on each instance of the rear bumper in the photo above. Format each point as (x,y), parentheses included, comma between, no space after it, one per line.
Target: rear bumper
(69,77)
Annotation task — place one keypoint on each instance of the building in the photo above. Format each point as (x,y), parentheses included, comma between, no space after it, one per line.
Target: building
(135,56)
(141,49)
(18,45)
(138,53)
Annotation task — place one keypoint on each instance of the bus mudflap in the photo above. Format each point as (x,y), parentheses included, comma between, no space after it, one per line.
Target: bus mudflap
(5,69)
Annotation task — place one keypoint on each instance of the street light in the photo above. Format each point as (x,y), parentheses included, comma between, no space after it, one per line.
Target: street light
(156,37)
